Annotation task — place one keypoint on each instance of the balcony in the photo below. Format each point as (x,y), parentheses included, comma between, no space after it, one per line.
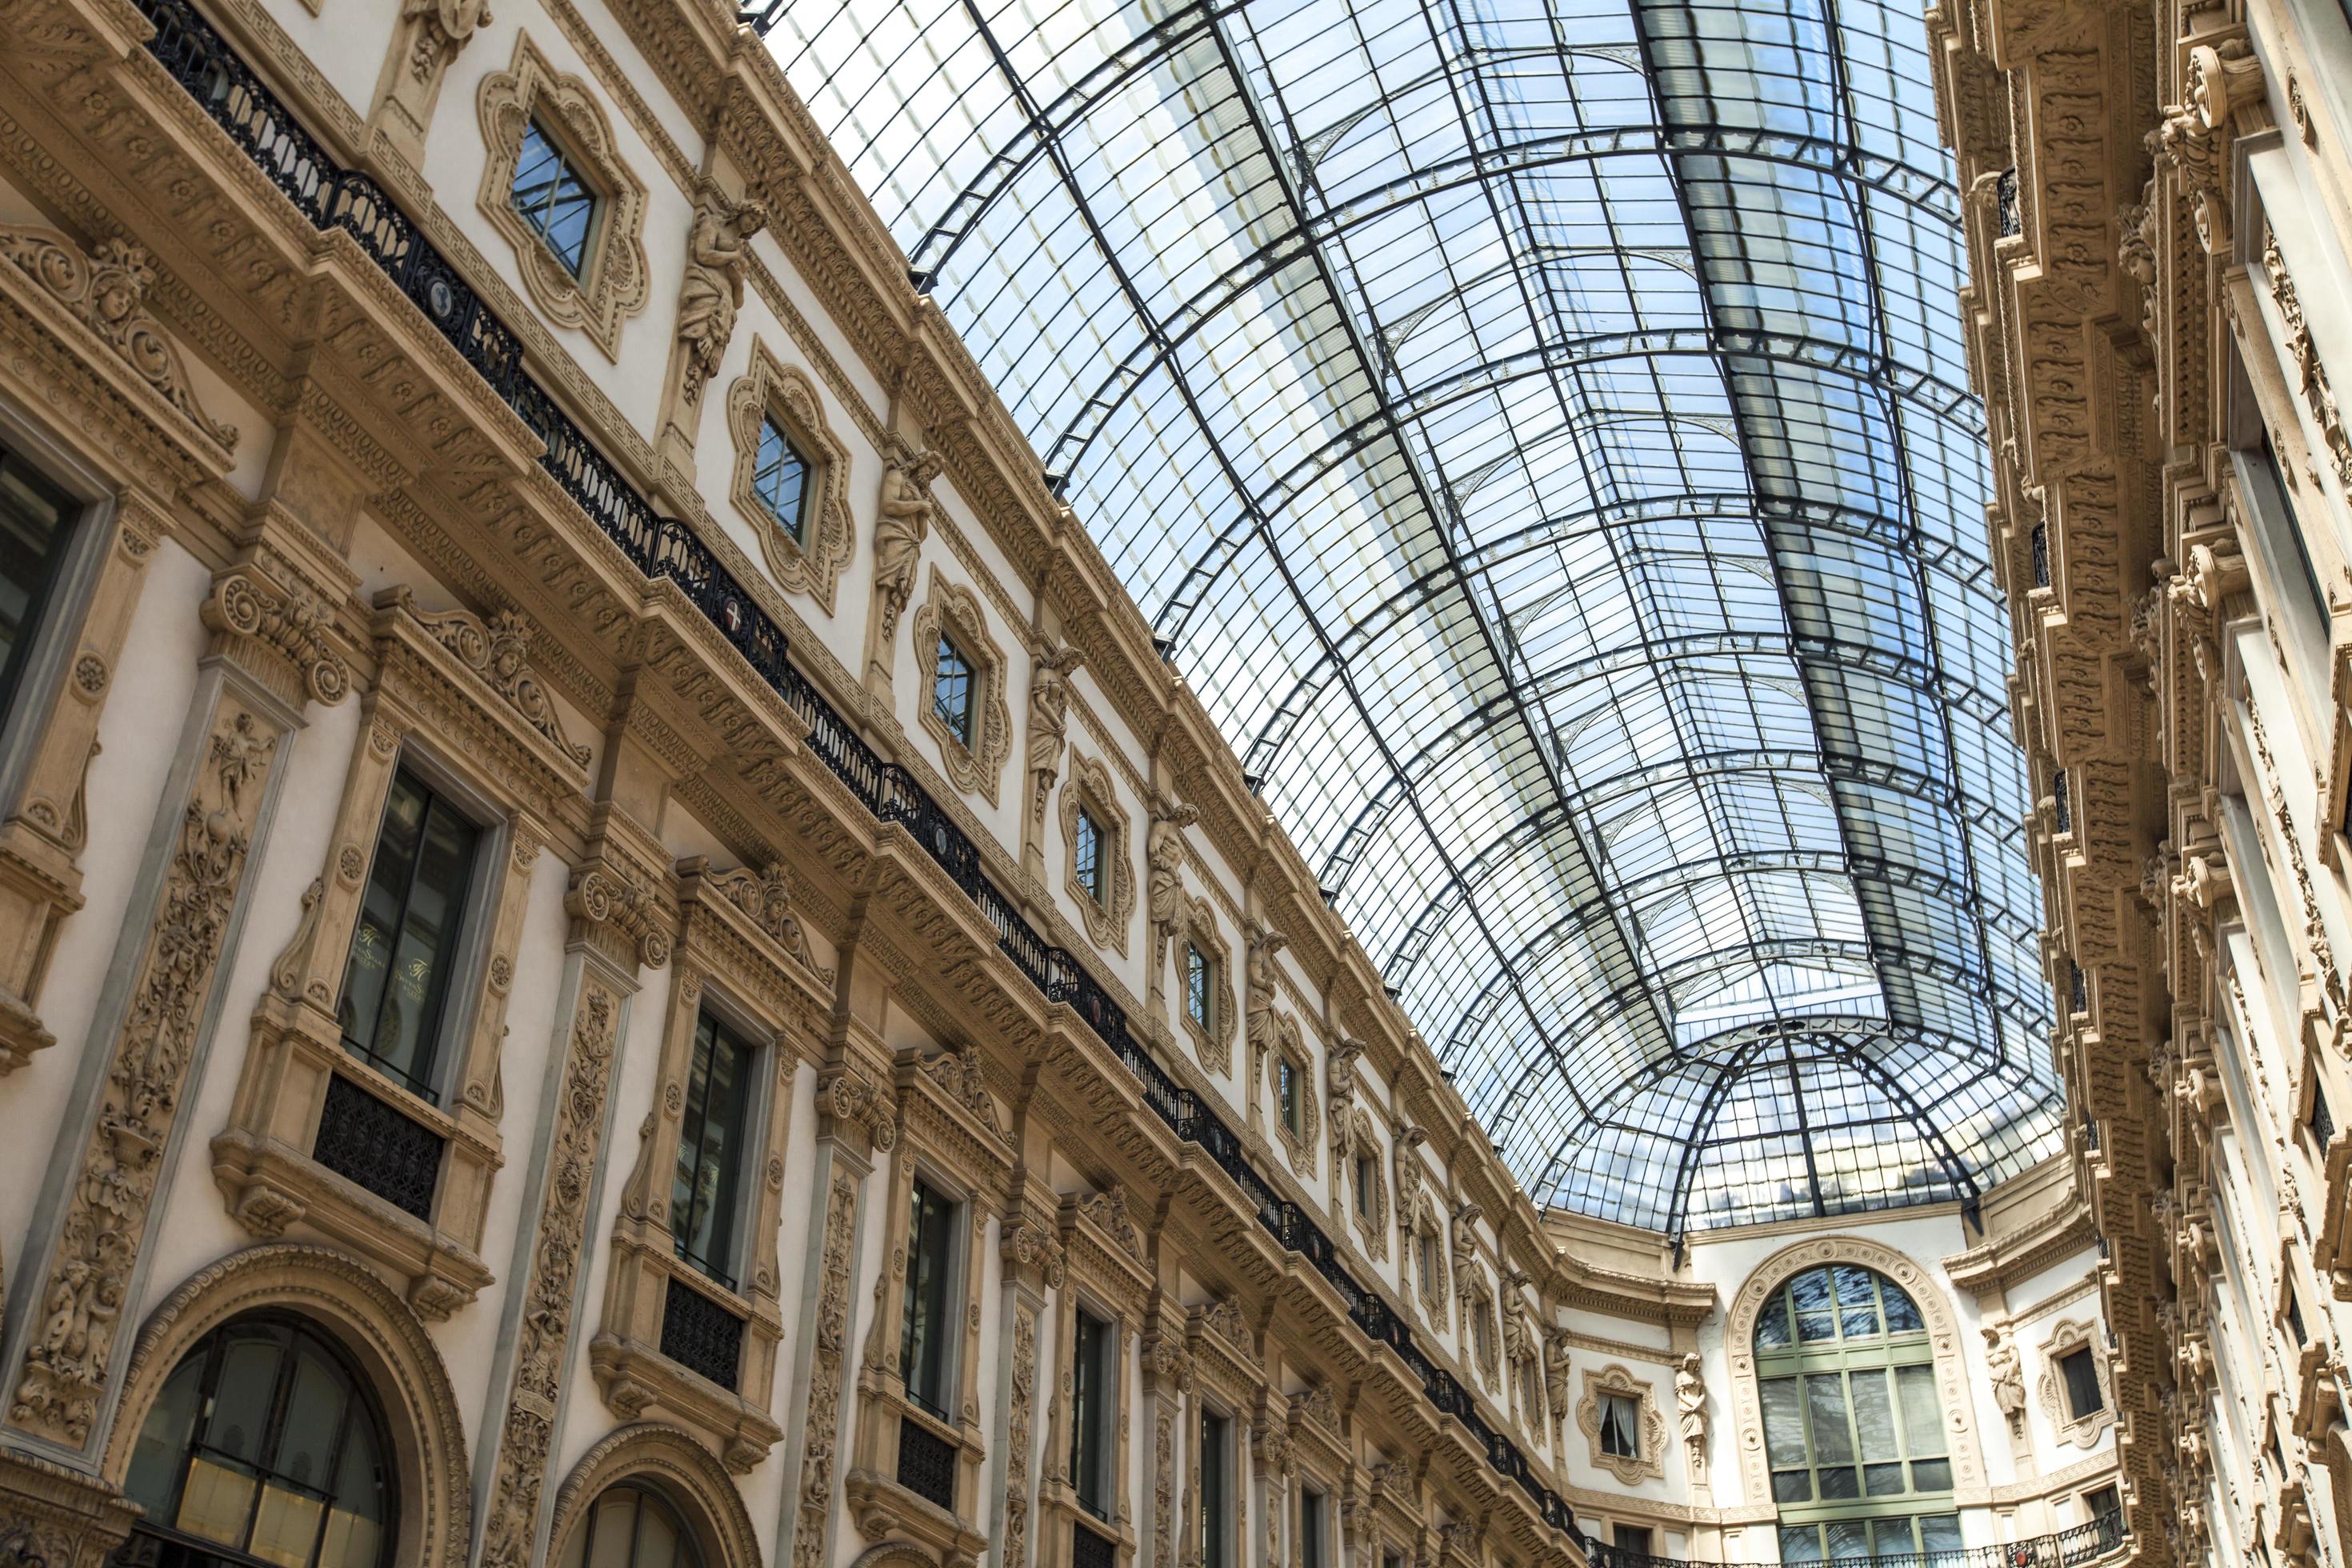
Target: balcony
(2070,1547)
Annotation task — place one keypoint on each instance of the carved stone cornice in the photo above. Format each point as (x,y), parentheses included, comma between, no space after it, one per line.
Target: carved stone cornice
(624,914)
(280,631)
(850,1105)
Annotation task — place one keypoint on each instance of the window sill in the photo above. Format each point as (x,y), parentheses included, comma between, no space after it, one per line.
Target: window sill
(634,1375)
(884,1508)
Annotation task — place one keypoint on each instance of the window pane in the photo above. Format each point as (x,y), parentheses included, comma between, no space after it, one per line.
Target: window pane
(1902,1312)
(1800,1543)
(1089,855)
(929,1321)
(1848,1538)
(163,1438)
(1839,1483)
(1939,1532)
(554,199)
(1857,1302)
(614,1531)
(1891,1537)
(396,980)
(1931,1476)
(36,520)
(710,1151)
(1884,1480)
(951,690)
(1873,1416)
(286,1527)
(243,1394)
(780,479)
(2084,1396)
(1792,1486)
(1784,1421)
(1773,1327)
(1825,1404)
(1923,1412)
(215,1501)
(355,1527)
(1810,1294)
(313,1420)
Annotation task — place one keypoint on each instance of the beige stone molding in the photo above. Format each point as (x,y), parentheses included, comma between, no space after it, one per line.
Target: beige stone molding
(1363,1184)
(1197,926)
(674,1464)
(954,611)
(428,37)
(1630,1470)
(812,1541)
(343,1297)
(613,275)
(56,1394)
(811,563)
(1302,1144)
(1090,788)
(105,291)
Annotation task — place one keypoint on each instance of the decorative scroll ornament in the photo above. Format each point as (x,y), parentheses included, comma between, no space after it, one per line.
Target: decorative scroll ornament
(1049,719)
(1317,1405)
(605,897)
(854,1101)
(2318,397)
(1109,1210)
(767,898)
(718,250)
(498,650)
(1226,1316)
(543,1337)
(443,28)
(959,1073)
(902,522)
(107,290)
(79,1310)
(298,627)
(1027,1246)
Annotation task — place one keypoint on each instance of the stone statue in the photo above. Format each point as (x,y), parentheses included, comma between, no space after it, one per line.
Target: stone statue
(1258,1013)
(1049,718)
(716,248)
(1554,1375)
(1690,1405)
(902,523)
(1165,894)
(2008,1382)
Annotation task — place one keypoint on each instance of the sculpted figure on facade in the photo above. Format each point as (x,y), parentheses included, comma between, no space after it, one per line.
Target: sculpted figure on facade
(901,524)
(1264,984)
(718,250)
(1164,878)
(1690,1409)
(2008,1382)
(1049,722)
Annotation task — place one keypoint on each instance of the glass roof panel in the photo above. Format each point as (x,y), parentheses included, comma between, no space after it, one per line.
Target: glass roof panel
(1542,434)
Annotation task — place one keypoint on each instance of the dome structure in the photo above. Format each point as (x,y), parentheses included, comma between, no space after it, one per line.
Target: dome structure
(1540,435)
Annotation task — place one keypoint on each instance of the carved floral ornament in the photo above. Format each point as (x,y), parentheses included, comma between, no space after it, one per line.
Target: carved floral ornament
(498,650)
(853,1101)
(812,563)
(766,896)
(106,290)
(607,897)
(1026,1247)
(291,624)
(612,282)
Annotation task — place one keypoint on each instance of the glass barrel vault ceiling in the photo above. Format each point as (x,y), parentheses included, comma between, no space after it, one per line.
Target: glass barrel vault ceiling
(1542,433)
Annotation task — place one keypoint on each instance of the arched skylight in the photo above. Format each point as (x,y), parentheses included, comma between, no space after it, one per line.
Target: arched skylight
(1542,434)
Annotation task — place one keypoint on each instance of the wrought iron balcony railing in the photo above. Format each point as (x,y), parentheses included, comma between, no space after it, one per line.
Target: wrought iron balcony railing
(331,196)
(2070,1547)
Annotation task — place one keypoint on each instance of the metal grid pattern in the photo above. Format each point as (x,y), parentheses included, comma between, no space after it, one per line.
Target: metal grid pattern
(1541,432)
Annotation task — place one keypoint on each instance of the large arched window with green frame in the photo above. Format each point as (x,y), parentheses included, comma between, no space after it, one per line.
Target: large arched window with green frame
(1854,1426)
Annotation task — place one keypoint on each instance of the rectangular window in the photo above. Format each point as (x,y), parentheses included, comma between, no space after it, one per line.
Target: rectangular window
(1310,1527)
(1285,1084)
(2082,1373)
(2323,1120)
(780,479)
(553,197)
(396,979)
(1634,1538)
(1621,1426)
(1427,1245)
(36,521)
(1089,851)
(928,1324)
(711,1154)
(951,693)
(2101,1503)
(1199,977)
(1091,1396)
(1364,1186)
(1216,1489)
(2295,1318)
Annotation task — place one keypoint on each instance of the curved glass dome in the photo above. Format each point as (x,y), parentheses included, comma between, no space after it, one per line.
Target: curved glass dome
(1541,433)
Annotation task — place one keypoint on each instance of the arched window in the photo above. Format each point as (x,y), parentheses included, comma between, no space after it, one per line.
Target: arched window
(1854,1425)
(630,1526)
(263,1447)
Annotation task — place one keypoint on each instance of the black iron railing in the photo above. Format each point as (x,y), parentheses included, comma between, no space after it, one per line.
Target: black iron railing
(333,197)
(701,1335)
(927,1463)
(378,1147)
(2069,1548)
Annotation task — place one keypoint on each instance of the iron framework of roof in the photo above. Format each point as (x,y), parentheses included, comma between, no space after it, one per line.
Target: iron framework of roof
(1542,435)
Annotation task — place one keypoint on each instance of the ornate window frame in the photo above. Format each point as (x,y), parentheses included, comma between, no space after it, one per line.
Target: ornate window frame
(348,1300)
(1617,1378)
(1213,1044)
(1108,1274)
(613,279)
(2067,1336)
(952,1135)
(455,698)
(1360,1150)
(742,956)
(1229,1377)
(772,390)
(1483,1351)
(1088,785)
(1969,1484)
(673,1462)
(956,611)
(1290,1047)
